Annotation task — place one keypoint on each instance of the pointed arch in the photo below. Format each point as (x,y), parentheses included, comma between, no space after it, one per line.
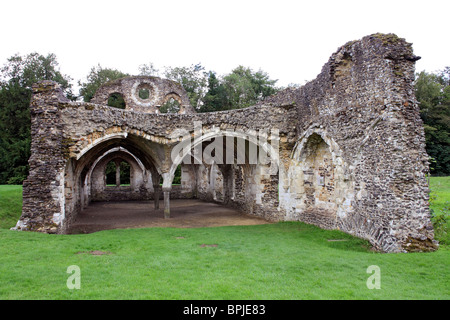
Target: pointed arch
(320,188)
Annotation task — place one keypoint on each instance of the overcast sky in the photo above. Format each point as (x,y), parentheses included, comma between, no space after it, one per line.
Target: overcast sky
(290,40)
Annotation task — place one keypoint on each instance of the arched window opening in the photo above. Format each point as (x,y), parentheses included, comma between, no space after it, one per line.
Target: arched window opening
(125,173)
(118,173)
(111,173)
(116,100)
(171,106)
(318,173)
(177,176)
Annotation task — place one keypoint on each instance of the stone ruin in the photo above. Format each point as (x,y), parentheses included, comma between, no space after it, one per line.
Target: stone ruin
(347,150)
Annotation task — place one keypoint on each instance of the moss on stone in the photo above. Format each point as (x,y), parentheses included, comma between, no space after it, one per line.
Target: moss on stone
(387,39)
(349,44)
(418,245)
(66,144)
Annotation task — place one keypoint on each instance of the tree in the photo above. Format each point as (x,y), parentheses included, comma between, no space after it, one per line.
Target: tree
(444,77)
(23,71)
(193,79)
(17,76)
(216,98)
(171,106)
(148,70)
(241,88)
(97,77)
(433,94)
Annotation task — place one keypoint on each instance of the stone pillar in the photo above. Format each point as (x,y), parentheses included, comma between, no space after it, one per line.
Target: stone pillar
(117,162)
(44,190)
(166,202)
(156,195)
(228,177)
(212,181)
(156,178)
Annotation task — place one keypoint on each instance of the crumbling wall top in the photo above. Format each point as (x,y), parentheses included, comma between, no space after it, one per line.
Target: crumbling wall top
(144,94)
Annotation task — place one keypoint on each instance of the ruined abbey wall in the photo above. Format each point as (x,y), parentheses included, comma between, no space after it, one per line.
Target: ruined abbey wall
(350,150)
(363,107)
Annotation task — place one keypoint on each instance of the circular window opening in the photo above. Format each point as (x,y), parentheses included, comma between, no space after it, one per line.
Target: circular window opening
(144,91)
(144,94)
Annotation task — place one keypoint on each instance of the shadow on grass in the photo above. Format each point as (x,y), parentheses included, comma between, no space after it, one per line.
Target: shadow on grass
(333,239)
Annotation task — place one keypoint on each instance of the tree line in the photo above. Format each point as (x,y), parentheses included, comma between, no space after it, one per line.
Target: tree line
(207,92)
(433,94)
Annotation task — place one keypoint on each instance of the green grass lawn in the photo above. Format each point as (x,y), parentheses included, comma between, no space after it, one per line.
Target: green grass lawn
(287,260)
(440,205)
(440,188)
(10,205)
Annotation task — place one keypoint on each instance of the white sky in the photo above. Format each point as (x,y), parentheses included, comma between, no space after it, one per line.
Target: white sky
(290,40)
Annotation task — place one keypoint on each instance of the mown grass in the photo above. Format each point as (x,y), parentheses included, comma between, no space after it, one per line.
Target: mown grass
(10,205)
(440,207)
(440,192)
(280,261)
(288,260)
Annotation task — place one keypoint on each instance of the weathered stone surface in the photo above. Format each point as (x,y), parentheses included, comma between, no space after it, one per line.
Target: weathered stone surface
(159,91)
(350,147)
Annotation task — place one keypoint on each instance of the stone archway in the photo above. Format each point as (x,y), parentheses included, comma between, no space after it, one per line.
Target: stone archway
(140,184)
(236,167)
(85,175)
(318,186)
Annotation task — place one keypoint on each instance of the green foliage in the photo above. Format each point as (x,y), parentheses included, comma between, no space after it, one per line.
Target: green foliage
(440,218)
(208,92)
(110,173)
(441,222)
(192,78)
(148,70)
(440,208)
(23,71)
(177,176)
(245,87)
(171,106)
(216,98)
(241,88)
(144,94)
(116,100)
(15,134)
(17,76)
(124,173)
(10,205)
(433,94)
(97,77)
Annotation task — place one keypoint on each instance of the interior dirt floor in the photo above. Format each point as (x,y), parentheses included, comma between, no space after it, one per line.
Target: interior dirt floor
(184,213)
